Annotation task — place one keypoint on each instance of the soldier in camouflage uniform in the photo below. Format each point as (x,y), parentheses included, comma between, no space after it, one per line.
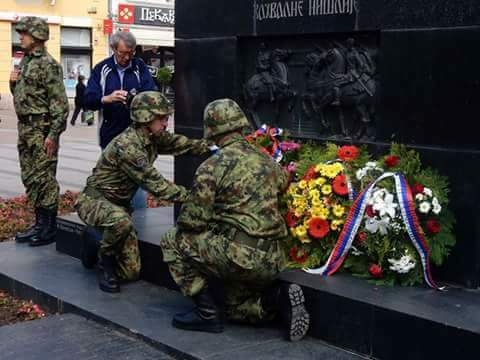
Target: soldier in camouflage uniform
(230,228)
(41,105)
(125,164)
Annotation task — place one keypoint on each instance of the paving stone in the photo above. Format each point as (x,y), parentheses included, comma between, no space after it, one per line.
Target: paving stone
(69,336)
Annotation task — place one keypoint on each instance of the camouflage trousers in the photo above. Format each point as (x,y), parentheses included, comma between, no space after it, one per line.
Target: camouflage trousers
(246,271)
(37,170)
(119,235)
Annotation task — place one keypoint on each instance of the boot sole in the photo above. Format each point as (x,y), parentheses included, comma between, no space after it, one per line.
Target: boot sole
(300,318)
(204,328)
(109,290)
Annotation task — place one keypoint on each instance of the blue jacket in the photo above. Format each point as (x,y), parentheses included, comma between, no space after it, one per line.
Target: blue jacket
(115,117)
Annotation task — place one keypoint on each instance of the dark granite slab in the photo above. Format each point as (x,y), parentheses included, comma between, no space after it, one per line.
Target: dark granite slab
(141,308)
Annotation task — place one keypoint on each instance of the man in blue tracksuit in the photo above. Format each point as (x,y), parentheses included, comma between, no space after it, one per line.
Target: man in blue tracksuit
(112,82)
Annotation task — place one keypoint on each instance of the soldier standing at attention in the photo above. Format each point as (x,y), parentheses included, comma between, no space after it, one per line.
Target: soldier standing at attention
(125,165)
(231,228)
(41,105)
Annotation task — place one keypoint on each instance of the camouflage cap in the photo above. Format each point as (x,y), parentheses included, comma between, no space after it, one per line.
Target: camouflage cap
(221,117)
(35,26)
(149,104)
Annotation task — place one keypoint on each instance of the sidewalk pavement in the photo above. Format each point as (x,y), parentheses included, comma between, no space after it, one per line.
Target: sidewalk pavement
(78,154)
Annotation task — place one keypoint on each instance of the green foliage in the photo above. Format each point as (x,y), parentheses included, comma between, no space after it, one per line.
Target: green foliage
(164,75)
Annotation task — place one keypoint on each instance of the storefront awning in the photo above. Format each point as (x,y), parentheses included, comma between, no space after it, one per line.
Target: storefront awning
(152,36)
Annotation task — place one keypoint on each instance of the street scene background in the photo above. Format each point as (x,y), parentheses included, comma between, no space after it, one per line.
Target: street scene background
(79,151)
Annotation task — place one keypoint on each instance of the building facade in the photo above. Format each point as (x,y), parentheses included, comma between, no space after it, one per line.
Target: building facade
(153,24)
(78,35)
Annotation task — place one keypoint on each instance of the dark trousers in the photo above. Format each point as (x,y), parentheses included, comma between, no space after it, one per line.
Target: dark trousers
(77,110)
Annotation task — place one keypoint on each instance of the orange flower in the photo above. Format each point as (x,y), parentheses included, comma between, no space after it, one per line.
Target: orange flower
(318,228)
(340,186)
(297,255)
(348,153)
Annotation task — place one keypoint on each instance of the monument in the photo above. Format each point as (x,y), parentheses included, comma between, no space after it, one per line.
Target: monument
(349,71)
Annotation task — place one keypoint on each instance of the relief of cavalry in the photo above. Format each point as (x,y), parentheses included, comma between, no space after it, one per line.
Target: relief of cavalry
(339,82)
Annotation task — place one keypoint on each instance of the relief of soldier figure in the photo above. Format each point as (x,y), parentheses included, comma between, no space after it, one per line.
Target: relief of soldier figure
(341,77)
(271,83)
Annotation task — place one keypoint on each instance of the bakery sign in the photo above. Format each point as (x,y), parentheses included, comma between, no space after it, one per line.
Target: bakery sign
(146,15)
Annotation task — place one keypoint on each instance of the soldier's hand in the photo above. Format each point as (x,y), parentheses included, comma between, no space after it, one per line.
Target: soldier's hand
(50,147)
(116,96)
(14,75)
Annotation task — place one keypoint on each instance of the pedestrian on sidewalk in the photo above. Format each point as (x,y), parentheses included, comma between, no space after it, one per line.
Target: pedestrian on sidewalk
(79,94)
(230,228)
(41,105)
(125,165)
(112,85)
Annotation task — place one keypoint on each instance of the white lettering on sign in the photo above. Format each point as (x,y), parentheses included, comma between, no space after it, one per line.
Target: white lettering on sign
(162,15)
(275,10)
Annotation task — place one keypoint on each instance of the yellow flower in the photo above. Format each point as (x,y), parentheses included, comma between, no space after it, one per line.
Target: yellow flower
(305,239)
(316,202)
(302,184)
(314,193)
(301,231)
(336,224)
(338,210)
(322,212)
(326,189)
(299,212)
(320,181)
(319,168)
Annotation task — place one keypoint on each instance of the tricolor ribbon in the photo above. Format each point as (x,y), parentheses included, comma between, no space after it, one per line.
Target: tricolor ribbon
(356,216)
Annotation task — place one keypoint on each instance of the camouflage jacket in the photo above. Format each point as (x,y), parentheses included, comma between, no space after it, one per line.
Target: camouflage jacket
(239,186)
(127,163)
(40,90)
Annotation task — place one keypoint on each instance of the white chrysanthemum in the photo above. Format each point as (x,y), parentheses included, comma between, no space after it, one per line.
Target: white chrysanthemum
(424,207)
(436,209)
(435,201)
(419,197)
(427,192)
(402,265)
(371,164)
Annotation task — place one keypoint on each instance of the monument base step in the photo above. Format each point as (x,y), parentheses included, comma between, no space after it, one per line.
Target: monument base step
(381,322)
(60,283)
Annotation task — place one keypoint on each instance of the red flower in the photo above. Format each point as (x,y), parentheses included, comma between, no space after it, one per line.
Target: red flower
(433,226)
(310,174)
(340,185)
(392,161)
(417,189)
(361,237)
(318,228)
(297,255)
(370,212)
(348,153)
(291,219)
(376,271)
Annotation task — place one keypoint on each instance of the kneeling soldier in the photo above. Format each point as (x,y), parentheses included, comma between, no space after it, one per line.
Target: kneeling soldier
(231,228)
(126,164)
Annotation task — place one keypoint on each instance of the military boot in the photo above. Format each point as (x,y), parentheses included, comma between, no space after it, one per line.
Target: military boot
(289,302)
(91,238)
(107,277)
(47,228)
(205,317)
(25,236)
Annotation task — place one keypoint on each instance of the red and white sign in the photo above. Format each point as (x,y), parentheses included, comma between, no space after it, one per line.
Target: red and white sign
(126,13)
(107,26)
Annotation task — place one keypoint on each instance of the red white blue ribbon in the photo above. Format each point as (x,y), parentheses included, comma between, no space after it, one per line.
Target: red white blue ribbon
(356,216)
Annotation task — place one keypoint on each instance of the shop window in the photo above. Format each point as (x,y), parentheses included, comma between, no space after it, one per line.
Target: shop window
(76,37)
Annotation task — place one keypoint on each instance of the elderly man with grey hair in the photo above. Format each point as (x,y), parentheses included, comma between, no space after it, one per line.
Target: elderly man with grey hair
(113,82)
